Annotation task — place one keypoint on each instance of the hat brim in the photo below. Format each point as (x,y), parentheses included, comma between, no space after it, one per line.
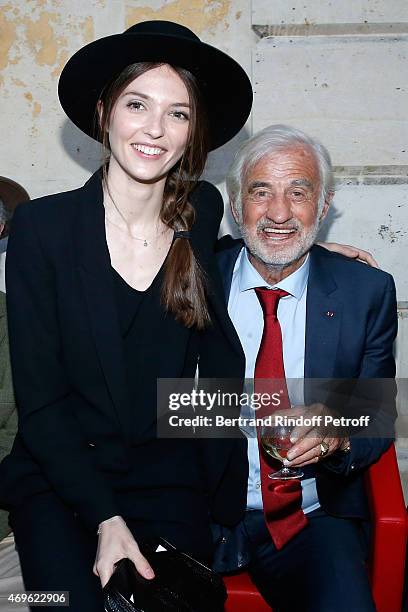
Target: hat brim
(224,84)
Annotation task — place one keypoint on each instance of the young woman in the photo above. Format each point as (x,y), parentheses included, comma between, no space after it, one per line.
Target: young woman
(110,287)
(107,291)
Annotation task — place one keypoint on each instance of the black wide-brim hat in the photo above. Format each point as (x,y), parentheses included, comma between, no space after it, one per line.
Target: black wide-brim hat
(225,86)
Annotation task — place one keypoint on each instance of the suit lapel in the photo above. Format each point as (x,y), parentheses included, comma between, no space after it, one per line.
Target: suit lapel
(220,307)
(222,285)
(323,311)
(323,318)
(97,283)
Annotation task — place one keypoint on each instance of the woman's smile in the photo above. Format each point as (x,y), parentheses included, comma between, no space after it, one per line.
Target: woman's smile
(148,151)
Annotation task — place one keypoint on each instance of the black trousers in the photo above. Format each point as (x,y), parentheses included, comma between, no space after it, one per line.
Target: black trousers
(57,552)
(322,569)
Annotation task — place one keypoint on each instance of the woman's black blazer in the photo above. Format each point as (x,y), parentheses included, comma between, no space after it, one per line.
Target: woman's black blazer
(67,361)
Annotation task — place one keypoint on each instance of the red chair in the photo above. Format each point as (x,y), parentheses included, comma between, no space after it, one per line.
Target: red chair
(389,540)
(389,521)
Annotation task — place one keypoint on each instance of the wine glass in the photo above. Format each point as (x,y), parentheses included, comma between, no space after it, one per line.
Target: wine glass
(275,441)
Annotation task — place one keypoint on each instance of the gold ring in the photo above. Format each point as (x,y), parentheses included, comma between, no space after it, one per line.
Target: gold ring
(324,448)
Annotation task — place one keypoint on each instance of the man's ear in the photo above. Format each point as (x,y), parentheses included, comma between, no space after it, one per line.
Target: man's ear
(326,206)
(234,211)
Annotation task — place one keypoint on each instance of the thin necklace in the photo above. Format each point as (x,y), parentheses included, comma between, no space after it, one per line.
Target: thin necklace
(129,233)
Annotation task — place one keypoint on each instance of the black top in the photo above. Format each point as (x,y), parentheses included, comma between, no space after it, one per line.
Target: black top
(139,313)
(147,330)
(155,462)
(128,301)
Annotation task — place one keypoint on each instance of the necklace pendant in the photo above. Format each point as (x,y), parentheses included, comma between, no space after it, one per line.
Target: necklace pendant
(145,243)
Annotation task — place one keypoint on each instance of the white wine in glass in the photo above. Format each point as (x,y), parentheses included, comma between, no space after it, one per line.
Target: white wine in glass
(276,442)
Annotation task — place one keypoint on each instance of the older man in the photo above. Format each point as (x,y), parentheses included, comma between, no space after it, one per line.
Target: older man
(303,312)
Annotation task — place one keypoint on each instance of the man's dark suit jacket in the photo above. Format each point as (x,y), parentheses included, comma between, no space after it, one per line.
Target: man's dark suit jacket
(354,342)
(75,420)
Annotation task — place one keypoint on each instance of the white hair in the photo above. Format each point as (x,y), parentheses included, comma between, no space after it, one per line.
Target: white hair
(269,140)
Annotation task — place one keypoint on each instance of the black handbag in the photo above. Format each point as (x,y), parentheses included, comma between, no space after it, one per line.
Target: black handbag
(181,584)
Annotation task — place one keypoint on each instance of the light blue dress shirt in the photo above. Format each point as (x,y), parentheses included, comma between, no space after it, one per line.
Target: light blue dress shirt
(246,314)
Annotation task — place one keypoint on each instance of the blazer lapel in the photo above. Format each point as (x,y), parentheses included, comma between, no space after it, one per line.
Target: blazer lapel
(323,319)
(220,307)
(323,311)
(97,282)
(222,278)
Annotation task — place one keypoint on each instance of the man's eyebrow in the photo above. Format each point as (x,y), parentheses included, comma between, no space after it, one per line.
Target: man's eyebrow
(302,183)
(257,184)
(138,94)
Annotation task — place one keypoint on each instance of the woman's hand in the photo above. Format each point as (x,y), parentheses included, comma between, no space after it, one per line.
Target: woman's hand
(351,252)
(115,543)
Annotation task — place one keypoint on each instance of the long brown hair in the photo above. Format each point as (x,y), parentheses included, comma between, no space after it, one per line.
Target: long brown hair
(184,287)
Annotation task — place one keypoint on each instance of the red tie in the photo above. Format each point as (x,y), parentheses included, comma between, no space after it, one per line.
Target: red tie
(282,499)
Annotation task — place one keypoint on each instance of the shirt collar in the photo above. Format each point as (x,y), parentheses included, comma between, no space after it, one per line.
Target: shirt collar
(249,277)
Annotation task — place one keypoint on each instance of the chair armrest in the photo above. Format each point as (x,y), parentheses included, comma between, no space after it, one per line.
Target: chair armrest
(243,595)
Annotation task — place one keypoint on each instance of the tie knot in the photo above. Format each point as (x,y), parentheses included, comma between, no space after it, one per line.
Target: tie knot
(269,299)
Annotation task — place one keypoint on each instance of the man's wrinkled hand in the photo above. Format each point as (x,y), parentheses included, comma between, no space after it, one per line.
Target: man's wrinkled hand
(312,440)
